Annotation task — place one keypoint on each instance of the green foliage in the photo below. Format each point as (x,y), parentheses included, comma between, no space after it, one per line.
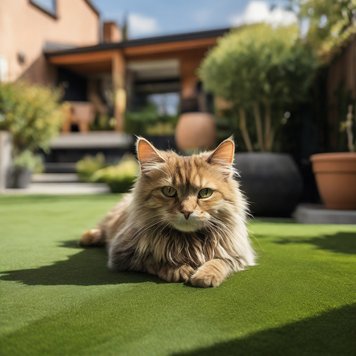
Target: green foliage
(149,122)
(260,70)
(31,113)
(329,22)
(32,162)
(87,166)
(103,122)
(119,177)
(347,127)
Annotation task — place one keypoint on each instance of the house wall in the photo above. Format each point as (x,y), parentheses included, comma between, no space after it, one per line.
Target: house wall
(25,30)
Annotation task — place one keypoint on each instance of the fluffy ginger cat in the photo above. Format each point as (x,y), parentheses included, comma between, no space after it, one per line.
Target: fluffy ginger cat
(185,219)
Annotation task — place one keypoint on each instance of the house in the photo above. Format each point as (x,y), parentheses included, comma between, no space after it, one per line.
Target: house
(64,43)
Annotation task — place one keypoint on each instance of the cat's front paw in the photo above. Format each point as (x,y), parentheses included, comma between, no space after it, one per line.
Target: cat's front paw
(180,274)
(92,237)
(206,277)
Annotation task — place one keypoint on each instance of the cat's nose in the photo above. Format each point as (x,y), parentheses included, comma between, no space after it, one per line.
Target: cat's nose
(186,214)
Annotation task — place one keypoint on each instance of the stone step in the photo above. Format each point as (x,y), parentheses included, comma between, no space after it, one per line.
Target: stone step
(96,140)
(318,214)
(61,189)
(59,167)
(55,178)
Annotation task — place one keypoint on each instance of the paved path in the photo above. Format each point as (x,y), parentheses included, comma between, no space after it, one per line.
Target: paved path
(317,214)
(59,184)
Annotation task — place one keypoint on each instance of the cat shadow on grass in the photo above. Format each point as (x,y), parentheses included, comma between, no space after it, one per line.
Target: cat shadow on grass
(87,267)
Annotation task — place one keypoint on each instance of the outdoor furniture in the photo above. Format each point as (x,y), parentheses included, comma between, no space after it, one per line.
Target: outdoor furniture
(80,113)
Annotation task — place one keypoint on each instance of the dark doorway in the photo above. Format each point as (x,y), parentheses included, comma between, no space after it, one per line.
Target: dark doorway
(75,86)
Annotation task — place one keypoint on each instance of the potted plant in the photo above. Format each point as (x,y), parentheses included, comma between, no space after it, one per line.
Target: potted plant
(261,73)
(20,173)
(33,116)
(335,172)
(5,155)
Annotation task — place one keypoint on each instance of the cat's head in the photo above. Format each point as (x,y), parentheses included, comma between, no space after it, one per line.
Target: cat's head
(188,193)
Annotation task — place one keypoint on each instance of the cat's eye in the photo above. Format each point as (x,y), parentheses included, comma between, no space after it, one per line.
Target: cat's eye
(169,192)
(205,193)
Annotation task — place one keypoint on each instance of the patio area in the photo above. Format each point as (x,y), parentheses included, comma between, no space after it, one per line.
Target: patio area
(233,127)
(58,298)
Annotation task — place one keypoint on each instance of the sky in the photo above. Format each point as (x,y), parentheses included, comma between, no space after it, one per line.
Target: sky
(159,17)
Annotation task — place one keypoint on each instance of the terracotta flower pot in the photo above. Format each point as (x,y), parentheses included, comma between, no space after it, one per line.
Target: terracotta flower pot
(195,130)
(336,178)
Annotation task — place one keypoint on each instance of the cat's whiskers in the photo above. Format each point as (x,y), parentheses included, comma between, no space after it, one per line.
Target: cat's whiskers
(145,228)
(147,232)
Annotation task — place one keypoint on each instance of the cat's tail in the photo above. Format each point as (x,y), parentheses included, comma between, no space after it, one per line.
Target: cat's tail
(93,237)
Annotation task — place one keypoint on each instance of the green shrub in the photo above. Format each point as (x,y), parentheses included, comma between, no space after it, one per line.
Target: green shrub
(28,160)
(31,113)
(87,166)
(120,177)
(103,122)
(149,122)
(330,24)
(263,72)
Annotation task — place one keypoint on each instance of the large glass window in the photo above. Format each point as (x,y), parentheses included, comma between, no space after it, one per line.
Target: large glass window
(166,103)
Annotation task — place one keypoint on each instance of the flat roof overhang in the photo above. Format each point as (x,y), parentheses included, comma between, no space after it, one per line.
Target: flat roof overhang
(99,58)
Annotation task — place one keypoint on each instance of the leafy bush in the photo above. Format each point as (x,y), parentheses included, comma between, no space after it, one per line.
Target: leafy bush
(103,122)
(31,113)
(263,72)
(30,161)
(87,166)
(149,122)
(119,177)
(330,23)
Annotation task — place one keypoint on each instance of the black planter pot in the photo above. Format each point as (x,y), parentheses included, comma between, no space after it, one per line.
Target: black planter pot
(18,177)
(271,182)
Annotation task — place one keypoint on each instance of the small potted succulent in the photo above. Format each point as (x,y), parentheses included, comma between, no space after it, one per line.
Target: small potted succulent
(336,172)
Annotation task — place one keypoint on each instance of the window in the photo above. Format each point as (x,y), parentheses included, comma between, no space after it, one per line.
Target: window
(166,103)
(49,7)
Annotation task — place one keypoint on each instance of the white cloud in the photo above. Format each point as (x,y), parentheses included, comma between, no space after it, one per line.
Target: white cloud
(259,11)
(140,25)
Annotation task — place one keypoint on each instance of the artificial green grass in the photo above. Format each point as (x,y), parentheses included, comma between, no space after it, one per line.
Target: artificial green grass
(59,299)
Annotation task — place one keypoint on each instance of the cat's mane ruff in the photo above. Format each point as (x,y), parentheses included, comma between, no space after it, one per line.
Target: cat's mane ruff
(140,235)
(225,240)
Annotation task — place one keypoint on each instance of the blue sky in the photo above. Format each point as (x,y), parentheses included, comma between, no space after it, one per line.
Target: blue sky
(158,17)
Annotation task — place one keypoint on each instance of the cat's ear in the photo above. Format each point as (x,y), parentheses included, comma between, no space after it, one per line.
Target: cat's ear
(146,152)
(224,153)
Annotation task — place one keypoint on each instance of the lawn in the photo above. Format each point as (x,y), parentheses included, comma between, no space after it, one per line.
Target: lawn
(59,299)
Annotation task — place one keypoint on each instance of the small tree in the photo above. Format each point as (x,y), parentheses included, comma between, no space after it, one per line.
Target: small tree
(31,113)
(328,23)
(262,71)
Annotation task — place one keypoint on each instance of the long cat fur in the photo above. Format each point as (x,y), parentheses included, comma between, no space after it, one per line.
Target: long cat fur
(147,231)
